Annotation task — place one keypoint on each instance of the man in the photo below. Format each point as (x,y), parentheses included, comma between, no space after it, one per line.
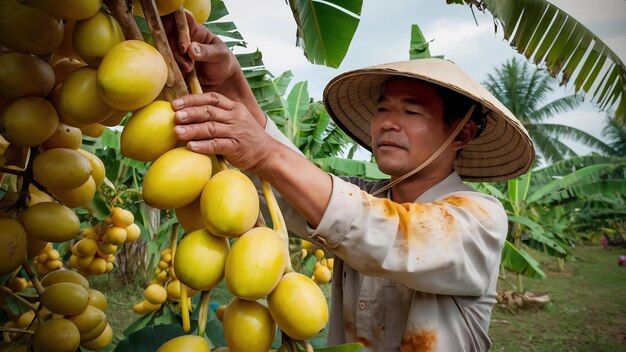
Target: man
(417,263)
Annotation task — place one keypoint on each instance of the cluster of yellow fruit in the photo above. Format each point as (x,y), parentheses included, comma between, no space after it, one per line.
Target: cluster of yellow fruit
(162,288)
(95,253)
(49,259)
(69,314)
(322,272)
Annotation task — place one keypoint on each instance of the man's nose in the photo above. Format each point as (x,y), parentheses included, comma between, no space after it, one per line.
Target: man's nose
(389,121)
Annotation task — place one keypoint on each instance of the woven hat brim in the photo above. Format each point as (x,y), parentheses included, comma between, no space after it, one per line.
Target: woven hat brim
(503,150)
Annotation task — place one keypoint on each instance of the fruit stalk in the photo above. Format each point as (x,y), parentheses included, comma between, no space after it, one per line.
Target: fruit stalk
(278,221)
(124,16)
(175,84)
(184,308)
(173,241)
(203,314)
(8,292)
(183,28)
(33,278)
(17,330)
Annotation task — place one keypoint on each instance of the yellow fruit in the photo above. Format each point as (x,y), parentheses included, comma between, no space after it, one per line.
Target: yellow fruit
(229,203)
(185,343)
(140,309)
(28,121)
(65,298)
(163,6)
(64,136)
(200,9)
(51,222)
(173,289)
(149,132)
(319,254)
(23,75)
(115,118)
(66,49)
(190,217)
(115,235)
(248,326)
(94,130)
(98,266)
(53,254)
(121,217)
(78,196)
(67,9)
(54,264)
(25,319)
(322,274)
(307,245)
(133,232)
(64,67)
(37,196)
(87,247)
(56,335)
(101,341)
(107,248)
(95,332)
(88,320)
(61,168)
(98,171)
(176,178)
(84,262)
(131,75)
(330,263)
(149,306)
(95,36)
(219,312)
(298,306)
(155,294)
(97,299)
(12,245)
(28,30)
(79,98)
(200,260)
(255,264)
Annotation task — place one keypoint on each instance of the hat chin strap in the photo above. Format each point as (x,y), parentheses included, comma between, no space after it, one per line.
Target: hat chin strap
(433,156)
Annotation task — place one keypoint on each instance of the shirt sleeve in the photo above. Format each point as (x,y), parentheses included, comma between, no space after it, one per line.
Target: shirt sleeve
(449,246)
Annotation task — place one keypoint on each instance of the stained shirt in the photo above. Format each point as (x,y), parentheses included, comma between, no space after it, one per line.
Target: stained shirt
(409,277)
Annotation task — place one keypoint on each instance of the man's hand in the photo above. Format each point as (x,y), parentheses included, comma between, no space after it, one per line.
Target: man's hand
(214,124)
(215,63)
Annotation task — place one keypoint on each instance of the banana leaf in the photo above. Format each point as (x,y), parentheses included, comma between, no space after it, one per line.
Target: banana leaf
(519,261)
(548,35)
(325,29)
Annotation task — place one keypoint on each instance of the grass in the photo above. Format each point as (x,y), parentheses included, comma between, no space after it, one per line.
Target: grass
(587,310)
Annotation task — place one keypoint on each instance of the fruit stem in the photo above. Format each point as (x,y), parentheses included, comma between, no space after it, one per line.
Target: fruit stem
(33,278)
(184,308)
(8,292)
(173,241)
(175,84)
(23,331)
(121,11)
(203,314)
(183,29)
(277,220)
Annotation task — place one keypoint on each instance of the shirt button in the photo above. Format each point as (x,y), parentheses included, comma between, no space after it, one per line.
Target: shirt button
(362,305)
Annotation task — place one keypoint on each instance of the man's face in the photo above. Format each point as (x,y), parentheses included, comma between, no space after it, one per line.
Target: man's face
(408,125)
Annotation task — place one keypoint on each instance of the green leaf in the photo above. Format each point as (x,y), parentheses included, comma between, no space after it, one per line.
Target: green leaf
(345,167)
(539,233)
(521,262)
(324,30)
(150,338)
(561,43)
(419,45)
(347,347)
(140,323)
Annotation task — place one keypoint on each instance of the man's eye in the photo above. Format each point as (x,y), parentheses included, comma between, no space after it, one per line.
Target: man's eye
(411,112)
(381,109)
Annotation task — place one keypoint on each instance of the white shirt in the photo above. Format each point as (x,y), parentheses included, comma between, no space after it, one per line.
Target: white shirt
(409,277)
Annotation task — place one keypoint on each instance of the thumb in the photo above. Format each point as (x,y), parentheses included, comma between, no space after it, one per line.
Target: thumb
(200,52)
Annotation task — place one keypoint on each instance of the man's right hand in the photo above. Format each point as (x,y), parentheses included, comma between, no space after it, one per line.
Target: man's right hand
(216,66)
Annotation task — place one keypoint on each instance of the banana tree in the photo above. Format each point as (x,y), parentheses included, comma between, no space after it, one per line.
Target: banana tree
(532,201)
(535,28)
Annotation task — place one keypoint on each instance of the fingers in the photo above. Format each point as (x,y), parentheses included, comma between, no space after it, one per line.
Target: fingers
(223,146)
(200,100)
(201,131)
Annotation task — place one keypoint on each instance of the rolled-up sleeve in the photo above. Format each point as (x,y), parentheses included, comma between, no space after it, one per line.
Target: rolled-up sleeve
(449,246)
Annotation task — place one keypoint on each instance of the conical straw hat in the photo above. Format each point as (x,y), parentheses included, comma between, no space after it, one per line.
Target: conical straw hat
(502,151)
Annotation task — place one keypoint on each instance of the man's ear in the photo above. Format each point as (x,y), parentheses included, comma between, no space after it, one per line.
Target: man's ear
(465,135)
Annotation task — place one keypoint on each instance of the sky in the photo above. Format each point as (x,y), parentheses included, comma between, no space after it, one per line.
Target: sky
(383,35)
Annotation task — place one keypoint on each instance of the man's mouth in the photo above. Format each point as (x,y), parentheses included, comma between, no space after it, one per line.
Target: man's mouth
(388,143)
